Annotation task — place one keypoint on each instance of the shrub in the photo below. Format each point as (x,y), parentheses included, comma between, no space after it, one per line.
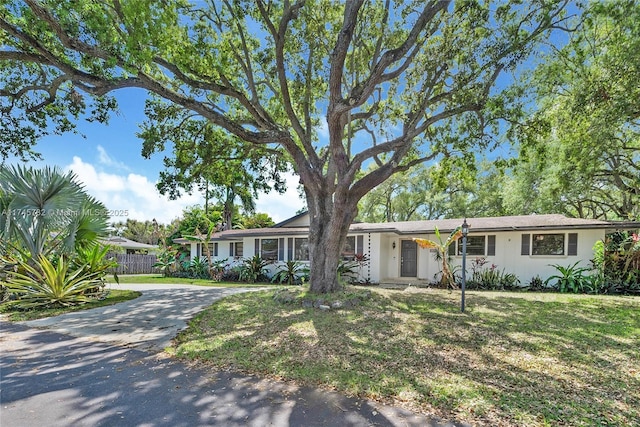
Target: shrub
(570,279)
(253,269)
(536,284)
(491,279)
(291,273)
(43,284)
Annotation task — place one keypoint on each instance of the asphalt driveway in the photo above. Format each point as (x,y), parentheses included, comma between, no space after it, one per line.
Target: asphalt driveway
(149,322)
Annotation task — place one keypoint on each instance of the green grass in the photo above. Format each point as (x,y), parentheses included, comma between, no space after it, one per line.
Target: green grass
(14,314)
(511,359)
(160,279)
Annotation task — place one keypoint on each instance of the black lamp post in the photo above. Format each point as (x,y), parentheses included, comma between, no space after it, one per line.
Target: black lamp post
(465,232)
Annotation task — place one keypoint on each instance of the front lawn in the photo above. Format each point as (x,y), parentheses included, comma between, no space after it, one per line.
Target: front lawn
(113,297)
(512,359)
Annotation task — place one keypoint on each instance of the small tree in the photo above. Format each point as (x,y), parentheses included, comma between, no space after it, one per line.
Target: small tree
(442,253)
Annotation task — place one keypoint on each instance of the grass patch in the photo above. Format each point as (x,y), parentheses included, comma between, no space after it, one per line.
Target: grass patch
(160,279)
(511,359)
(15,314)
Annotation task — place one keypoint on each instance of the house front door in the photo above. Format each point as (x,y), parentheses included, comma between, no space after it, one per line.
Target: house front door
(408,258)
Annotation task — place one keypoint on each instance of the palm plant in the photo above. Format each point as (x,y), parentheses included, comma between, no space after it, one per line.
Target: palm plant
(46,212)
(442,252)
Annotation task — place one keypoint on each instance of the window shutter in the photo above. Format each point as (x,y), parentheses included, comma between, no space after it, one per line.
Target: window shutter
(231,249)
(281,249)
(491,245)
(290,249)
(359,245)
(452,247)
(257,247)
(215,249)
(197,250)
(573,244)
(526,242)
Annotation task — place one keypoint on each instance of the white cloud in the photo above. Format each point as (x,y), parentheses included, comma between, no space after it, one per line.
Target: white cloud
(130,196)
(106,160)
(281,206)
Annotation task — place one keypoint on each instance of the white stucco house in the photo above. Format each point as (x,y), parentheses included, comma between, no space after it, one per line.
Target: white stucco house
(524,245)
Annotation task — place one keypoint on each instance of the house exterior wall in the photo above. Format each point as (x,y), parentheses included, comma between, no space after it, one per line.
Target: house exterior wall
(385,259)
(508,255)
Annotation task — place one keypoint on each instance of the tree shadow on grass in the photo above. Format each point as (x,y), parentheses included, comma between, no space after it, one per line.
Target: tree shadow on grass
(56,380)
(507,360)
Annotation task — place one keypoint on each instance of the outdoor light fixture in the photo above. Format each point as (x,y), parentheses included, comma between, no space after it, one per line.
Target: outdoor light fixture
(465,232)
(393,245)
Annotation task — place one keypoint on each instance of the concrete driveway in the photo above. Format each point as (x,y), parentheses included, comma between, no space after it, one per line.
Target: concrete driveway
(149,322)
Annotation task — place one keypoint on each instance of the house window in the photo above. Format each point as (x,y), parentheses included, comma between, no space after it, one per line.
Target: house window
(201,251)
(354,245)
(236,249)
(547,244)
(269,249)
(476,246)
(301,249)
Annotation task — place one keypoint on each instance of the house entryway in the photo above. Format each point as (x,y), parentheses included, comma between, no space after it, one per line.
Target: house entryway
(408,258)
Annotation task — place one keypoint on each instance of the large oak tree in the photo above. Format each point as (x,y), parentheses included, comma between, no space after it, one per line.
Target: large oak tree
(335,85)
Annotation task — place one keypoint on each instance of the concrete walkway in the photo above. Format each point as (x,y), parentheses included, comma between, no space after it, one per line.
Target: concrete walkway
(149,322)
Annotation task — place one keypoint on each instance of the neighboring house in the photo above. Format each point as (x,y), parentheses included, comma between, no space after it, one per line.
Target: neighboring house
(129,246)
(524,245)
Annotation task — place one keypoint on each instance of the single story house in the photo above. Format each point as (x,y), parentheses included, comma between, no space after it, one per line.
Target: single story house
(128,245)
(525,245)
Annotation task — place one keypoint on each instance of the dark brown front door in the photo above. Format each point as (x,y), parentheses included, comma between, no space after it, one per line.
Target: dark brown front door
(408,259)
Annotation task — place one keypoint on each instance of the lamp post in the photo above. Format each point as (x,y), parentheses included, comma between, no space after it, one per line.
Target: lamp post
(465,231)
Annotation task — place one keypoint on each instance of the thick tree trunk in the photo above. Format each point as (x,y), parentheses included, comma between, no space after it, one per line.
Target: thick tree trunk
(330,221)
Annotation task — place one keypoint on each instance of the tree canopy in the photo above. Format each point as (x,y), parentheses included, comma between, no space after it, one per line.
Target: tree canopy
(335,85)
(580,150)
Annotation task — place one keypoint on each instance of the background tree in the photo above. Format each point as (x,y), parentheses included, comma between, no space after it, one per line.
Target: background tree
(222,166)
(439,191)
(257,220)
(580,152)
(396,83)
(138,231)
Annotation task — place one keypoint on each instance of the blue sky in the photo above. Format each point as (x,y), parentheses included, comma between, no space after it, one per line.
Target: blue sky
(108,162)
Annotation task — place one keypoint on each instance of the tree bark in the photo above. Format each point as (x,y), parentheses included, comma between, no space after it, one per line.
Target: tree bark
(330,219)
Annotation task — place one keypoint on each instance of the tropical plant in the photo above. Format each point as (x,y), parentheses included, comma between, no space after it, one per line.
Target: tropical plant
(570,279)
(536,284)
(205,239)
(166,261)
(493,279)
(253,269)
(348,271)
(218,268)
(442,253)
(291,273)
(94,260)
(617,260)
(46,212)
(46,284)
(198,268)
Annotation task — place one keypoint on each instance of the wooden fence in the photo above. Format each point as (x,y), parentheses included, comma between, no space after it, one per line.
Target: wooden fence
(135,264)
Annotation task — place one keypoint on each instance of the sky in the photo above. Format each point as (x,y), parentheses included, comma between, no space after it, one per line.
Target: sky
(107,160)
